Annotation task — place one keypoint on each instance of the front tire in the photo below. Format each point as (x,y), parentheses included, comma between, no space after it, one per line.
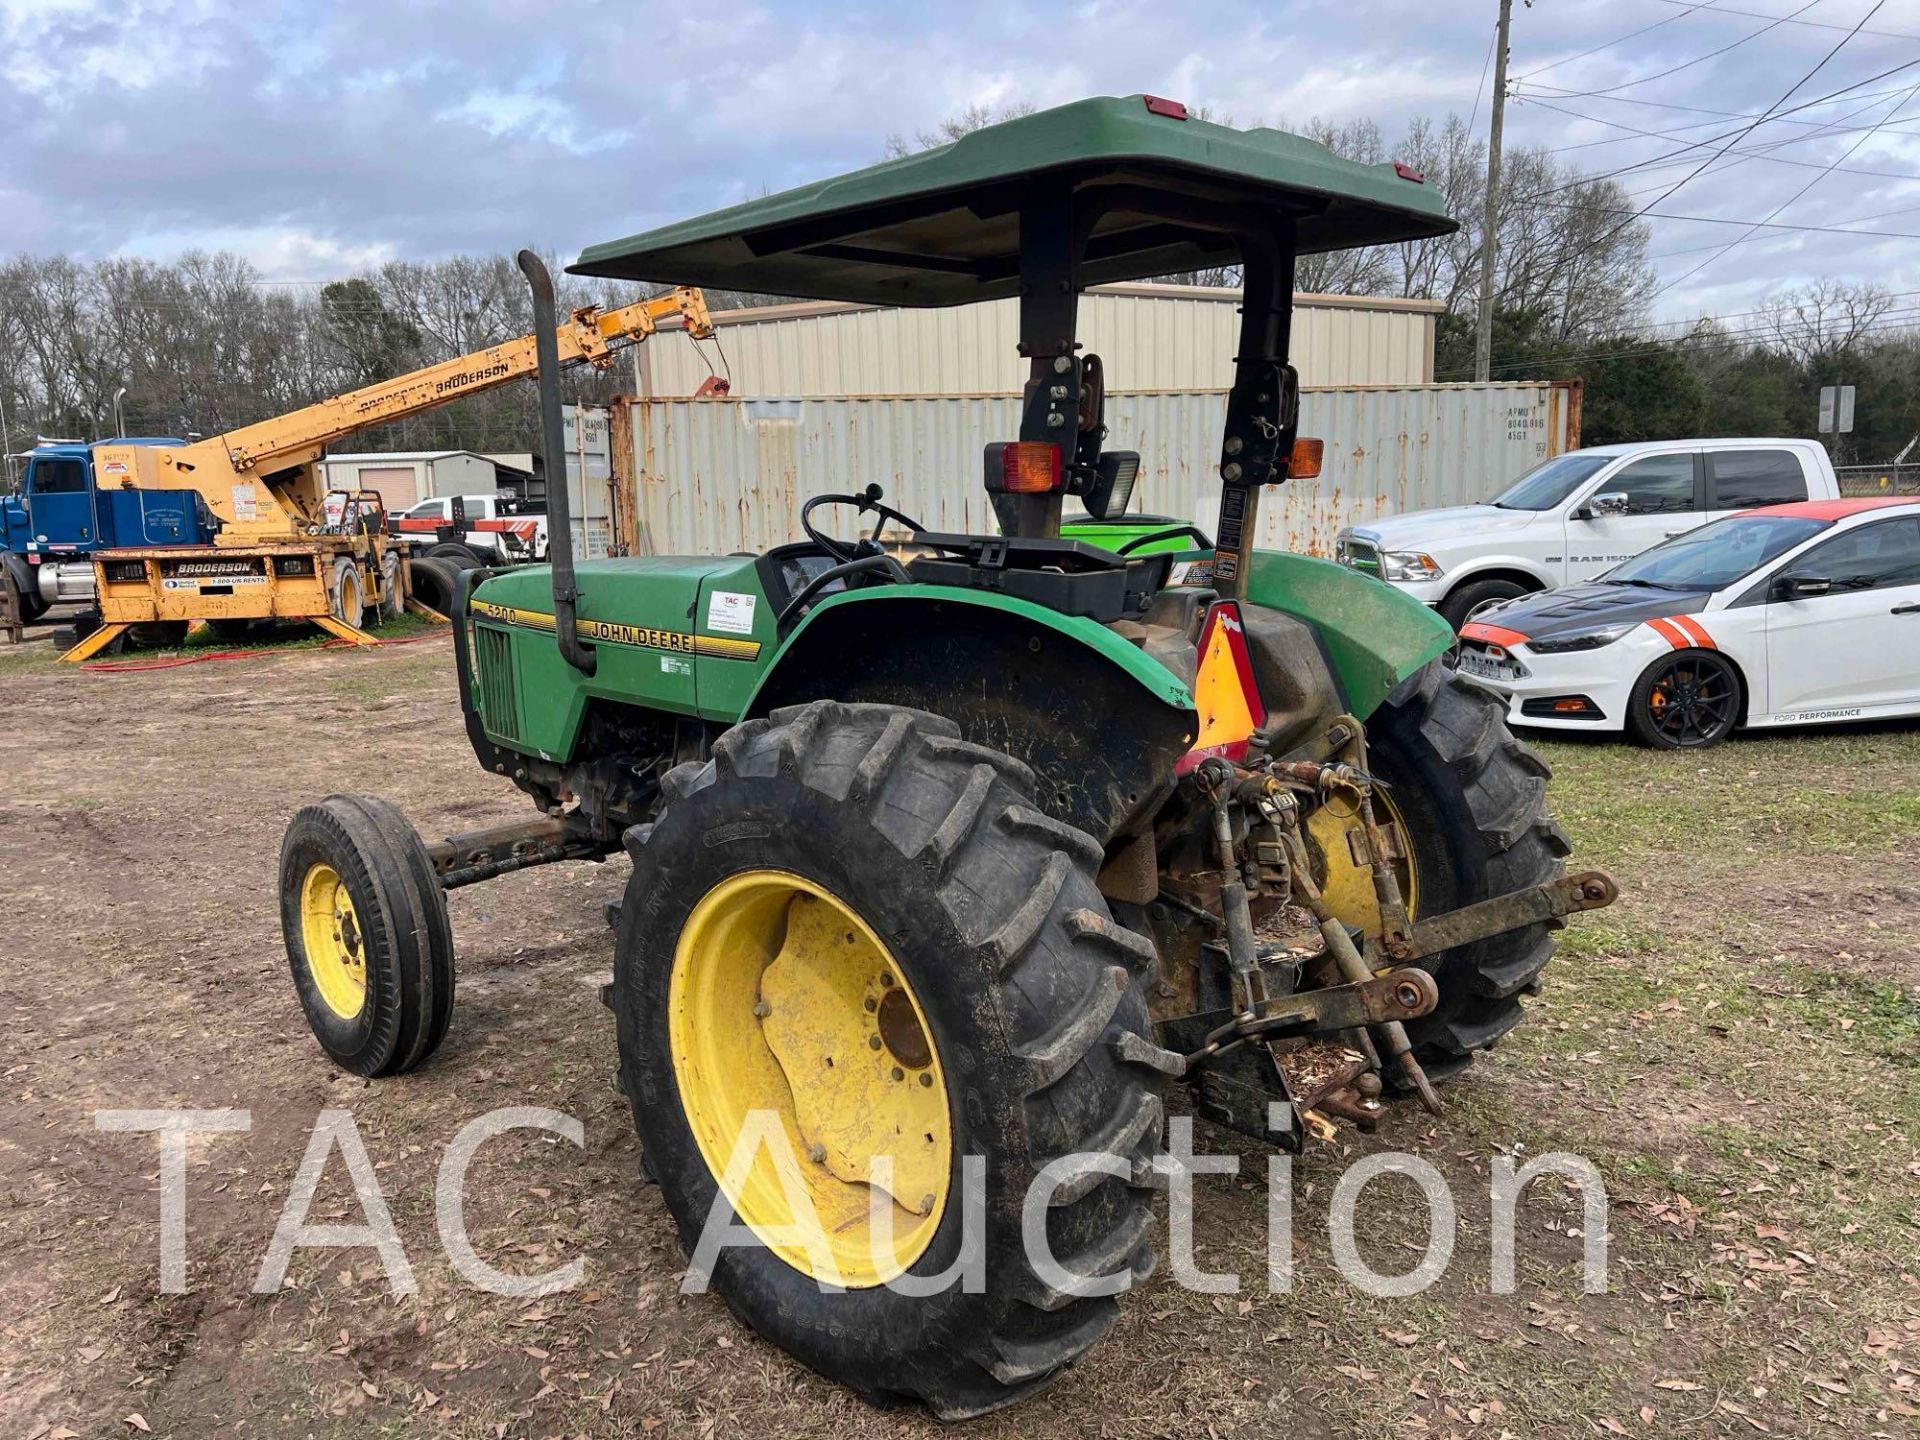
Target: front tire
(1475,596)
(1472,799)
(26,585)
(1688,700)
(367,936)
(347,599)
(1034,1017)
(393,599)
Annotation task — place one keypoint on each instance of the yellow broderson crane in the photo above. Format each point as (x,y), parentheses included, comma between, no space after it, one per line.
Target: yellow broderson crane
(283,546)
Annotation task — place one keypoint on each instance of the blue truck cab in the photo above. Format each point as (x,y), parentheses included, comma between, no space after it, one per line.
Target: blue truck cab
(64,511)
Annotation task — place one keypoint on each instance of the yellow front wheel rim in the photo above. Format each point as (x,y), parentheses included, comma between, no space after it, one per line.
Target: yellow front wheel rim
(810,1078)
(334,945)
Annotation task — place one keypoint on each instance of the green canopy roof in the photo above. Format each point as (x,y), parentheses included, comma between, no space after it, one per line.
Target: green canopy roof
(942,227)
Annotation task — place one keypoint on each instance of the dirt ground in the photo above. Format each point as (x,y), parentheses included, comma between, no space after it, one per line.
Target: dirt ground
(1734,1046)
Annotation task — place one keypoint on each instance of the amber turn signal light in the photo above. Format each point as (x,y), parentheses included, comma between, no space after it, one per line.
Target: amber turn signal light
(1305,461)
(1029,467)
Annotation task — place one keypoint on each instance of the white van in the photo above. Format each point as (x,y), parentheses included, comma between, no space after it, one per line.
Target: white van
(1579,514)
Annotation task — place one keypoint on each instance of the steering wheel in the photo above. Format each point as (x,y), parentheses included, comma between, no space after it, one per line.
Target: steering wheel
(868,499)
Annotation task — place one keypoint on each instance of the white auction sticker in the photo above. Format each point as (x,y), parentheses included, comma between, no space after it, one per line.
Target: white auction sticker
(245,502)
(730,613)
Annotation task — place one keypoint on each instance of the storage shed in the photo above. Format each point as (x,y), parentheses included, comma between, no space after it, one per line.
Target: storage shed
(404,476)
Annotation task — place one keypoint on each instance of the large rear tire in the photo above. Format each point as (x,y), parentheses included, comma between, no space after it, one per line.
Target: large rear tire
(1472,799)
(367,935)
(434,583)
(461,557)
(1034,1021)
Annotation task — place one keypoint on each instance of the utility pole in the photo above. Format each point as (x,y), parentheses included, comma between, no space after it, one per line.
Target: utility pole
(1490,225)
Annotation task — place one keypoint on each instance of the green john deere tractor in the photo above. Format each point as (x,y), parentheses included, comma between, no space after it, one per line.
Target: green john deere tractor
(951,858)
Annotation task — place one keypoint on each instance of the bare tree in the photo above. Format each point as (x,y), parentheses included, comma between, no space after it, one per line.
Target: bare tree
(975,117)
(1826,320)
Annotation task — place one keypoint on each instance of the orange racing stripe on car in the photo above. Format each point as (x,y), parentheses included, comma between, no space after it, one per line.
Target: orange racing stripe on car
(1672,634)
(1696,630)
(1491,634)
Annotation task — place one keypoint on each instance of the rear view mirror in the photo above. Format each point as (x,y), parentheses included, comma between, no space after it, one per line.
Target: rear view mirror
(1801,587)
(1614,502)
(1113,484)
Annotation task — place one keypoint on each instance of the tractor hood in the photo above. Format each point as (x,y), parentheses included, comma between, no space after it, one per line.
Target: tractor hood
(604,584)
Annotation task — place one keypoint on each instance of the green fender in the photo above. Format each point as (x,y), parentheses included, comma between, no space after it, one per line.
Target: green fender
(1374,635)
(1100,722)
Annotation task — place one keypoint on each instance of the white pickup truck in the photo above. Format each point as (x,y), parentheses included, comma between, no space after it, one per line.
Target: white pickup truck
(1580,514)
(495,533)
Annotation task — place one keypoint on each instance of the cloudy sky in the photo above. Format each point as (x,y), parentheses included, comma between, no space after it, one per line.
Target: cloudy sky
(323,136)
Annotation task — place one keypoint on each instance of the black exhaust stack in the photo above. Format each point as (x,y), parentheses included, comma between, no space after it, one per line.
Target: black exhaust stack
(553,446)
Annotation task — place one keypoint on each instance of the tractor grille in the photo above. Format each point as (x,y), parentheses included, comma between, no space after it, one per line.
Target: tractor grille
(493,664)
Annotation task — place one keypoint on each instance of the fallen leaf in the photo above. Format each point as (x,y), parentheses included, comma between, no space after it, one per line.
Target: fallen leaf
(1675,1385)
(138,1422)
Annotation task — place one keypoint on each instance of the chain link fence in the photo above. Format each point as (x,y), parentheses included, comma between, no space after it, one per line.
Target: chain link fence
(1870,480)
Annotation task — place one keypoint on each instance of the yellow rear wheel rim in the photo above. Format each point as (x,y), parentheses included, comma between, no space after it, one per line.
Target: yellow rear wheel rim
(335,947)
(802,1055)
(1348,880)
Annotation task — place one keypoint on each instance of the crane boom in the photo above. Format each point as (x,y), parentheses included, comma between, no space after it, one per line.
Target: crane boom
(262,480)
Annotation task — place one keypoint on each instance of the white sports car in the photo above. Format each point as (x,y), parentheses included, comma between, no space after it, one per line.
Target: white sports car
(1794,615)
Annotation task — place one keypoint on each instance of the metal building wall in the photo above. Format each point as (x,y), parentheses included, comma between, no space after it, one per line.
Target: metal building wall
(1152,337)
(723,475)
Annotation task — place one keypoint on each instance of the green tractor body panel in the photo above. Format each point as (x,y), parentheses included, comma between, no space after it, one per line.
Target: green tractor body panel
(1374,636)
(1153,677)
(1112,534)
(697,637)
(676,634)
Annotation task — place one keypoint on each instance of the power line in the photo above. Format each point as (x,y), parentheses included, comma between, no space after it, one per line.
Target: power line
(1766,116)
(1723,220)
(1479,89)
(1796,196)
(1754,154)
(1854,220)
(1630,35)
(1829,130)
(1699,59)
(1810,24)
(1780,119)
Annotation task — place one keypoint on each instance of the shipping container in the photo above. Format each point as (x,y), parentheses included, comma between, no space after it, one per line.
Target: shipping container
(1151,337)
(590,486)
(731,474)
